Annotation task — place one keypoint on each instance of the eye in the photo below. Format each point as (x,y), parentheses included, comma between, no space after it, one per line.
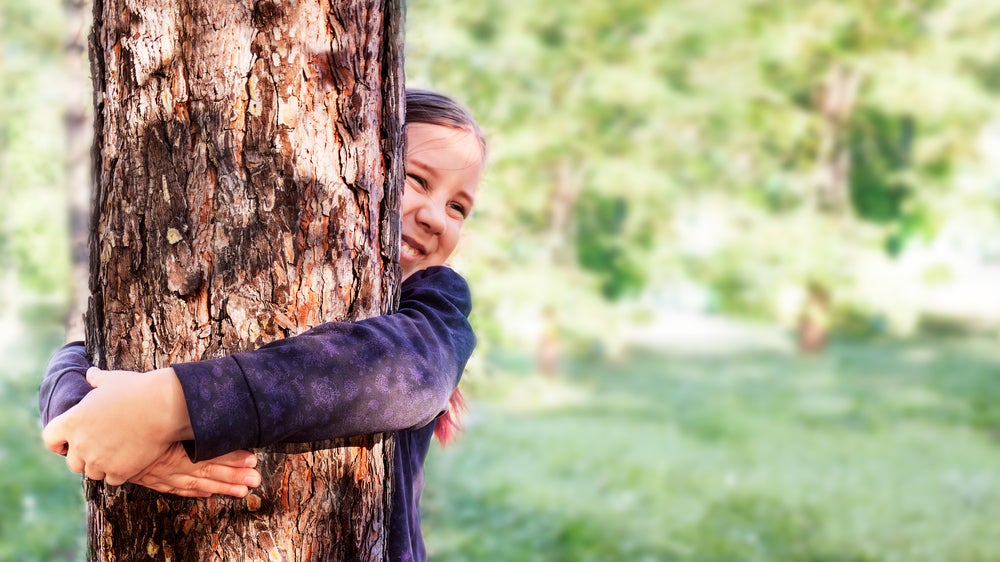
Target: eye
(418,181)
(459,208)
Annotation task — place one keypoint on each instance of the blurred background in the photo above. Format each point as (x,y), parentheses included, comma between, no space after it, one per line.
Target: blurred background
(736,269)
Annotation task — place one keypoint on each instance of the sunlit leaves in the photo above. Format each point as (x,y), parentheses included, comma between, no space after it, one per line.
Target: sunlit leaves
(654,103)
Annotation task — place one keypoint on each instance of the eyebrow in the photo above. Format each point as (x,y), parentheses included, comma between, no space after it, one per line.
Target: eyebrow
(426,169)
(433,174)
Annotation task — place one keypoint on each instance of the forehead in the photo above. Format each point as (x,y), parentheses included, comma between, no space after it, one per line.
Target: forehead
(437,144)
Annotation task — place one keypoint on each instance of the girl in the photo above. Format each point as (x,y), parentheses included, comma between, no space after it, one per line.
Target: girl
(389,373)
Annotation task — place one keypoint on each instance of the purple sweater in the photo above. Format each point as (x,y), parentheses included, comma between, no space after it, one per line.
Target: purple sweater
(388,373)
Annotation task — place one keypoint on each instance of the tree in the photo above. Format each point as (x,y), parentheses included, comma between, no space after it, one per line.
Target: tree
(247,157)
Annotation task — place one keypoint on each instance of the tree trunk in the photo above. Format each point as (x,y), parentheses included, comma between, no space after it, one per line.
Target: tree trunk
(247,159)
(835,99)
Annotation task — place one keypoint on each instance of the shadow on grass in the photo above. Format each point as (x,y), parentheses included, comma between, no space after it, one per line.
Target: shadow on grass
(754,528)
(855,386)
(742,528)
(953,381)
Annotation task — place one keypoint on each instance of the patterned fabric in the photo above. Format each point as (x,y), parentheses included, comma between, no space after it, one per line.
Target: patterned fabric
(391,373)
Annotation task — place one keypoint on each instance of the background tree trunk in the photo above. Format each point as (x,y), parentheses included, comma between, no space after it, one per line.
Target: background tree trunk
(835,99)
(77,116)
(247,157)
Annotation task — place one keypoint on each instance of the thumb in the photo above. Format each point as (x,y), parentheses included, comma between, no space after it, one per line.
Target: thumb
(96,377)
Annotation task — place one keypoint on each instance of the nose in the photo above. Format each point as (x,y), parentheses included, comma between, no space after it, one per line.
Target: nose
(431,217)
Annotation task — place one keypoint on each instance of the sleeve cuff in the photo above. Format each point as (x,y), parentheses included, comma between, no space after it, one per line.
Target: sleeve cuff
(65,381)
(221,407)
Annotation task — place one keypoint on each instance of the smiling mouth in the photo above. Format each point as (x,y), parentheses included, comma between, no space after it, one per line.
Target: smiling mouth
(410,249)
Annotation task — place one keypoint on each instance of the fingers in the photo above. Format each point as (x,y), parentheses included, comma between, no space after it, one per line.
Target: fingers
(183,493)
(193,486)
(232,474)
(114,479)
(94,474)
(54,436)
(213,487)
(95,376)
(173,473)
(79,466)
(75,463)
(220,473)
(237,459)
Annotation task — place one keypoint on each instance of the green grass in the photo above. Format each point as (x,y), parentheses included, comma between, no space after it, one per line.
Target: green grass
(41,503)
(874,451)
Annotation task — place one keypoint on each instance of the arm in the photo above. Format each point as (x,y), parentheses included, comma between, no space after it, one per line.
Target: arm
(65,384)
(339,379)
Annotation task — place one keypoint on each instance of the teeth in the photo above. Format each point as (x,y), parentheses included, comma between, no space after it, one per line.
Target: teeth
(408,251)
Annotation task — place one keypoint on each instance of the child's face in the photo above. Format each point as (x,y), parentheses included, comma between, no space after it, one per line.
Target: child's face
(443,166)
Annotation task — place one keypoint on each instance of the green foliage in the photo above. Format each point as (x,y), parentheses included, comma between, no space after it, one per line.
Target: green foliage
(881,151)
(883,179)
(645,117)
(41,508)
(32,229)
(658,105)
(863,454)
(604,247)
(762,529)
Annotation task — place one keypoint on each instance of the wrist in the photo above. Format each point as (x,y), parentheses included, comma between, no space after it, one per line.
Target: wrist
(177,421)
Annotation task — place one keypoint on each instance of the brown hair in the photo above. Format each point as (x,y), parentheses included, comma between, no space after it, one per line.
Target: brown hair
(432,108)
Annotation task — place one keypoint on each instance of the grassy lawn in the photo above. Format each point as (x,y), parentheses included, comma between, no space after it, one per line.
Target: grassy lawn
(873,451)
(881,451)
(41,502)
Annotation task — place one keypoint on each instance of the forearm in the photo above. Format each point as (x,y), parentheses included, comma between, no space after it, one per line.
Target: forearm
(176,420)
(319,385)
(340,379)
(65,384)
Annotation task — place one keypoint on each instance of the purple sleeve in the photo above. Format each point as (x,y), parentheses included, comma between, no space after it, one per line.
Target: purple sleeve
(339,379)
(65,381)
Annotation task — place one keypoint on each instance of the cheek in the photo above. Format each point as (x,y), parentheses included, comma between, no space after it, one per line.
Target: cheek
(450,240)
(407,205)
(407,201)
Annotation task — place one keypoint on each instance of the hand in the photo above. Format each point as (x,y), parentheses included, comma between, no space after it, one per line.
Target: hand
(121,427)
(231,474)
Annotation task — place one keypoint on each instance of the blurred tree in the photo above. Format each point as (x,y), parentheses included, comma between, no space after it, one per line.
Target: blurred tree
(245,161)
(30,141)
(78,119)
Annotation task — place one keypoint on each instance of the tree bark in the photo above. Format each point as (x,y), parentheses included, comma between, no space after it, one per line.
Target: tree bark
(247,160)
